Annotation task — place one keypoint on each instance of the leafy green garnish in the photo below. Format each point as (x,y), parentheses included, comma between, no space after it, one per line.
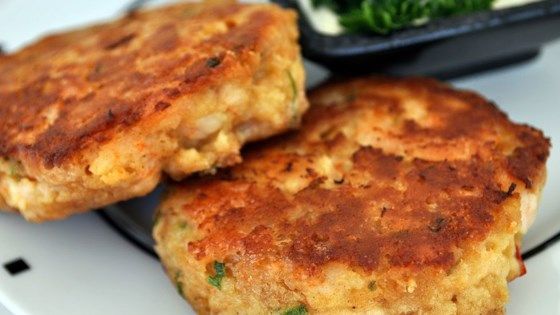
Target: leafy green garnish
(385,16)
(15,170)
(294,104)
(157,217)
(213,62)
(220,273)
(179,283)
(298,310)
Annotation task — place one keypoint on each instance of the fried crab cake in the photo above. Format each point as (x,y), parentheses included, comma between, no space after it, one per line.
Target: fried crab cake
(95,116)
(398,196)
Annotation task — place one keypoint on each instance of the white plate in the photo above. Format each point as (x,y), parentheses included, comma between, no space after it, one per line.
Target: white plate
(82,266)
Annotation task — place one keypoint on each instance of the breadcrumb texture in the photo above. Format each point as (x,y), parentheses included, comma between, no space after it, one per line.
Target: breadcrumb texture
(94,116)
(398,196)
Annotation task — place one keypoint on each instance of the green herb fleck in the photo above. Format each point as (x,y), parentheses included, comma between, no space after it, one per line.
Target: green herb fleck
(15,170)
(385,16)
(372,285)
(298,310)
(178,283)
(213,62)
(183,225)
(220,273)
(294,106)
(157,217)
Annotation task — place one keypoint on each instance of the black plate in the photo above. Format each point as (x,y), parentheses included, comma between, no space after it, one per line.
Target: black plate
(444,48)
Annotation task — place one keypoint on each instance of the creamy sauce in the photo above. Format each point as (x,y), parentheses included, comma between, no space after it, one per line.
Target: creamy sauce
(322,19)
(325,21)
(502,4)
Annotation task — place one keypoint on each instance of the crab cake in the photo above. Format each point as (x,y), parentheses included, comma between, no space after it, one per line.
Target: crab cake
(398,196)
(95,116)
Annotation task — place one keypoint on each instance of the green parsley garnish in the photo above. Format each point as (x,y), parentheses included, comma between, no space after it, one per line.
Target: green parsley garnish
(372,285)
(216,280)
(178,283)
(15,170)
(157,217)
(294,107)
(298,310)
(385,16)
(213,62)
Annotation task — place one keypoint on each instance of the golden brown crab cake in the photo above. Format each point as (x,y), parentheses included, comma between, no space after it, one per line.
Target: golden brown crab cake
(95,116)
(398,196)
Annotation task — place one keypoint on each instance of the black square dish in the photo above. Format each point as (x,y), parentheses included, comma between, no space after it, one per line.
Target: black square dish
(444,48)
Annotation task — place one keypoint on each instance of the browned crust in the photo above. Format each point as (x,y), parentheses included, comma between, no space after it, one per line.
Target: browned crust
(524,162)
(104,79)
(418,191)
